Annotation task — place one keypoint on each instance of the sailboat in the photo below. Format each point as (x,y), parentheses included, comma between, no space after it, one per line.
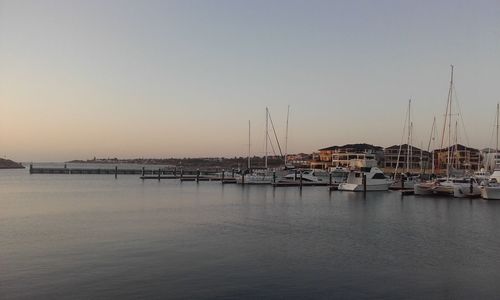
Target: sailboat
(266,175)
(405,181)
(491,190)
(456,187)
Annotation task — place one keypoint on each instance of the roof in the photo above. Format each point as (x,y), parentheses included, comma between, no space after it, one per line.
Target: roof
(359,147)
(458,147)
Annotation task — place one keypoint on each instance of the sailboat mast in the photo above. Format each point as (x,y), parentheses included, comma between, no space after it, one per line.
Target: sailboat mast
(431,139)
(286,134)
(408,139)
(496,147)
(450,96)
(267,137)
(249,144)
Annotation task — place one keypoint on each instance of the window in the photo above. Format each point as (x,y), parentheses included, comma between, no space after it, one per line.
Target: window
(379,176)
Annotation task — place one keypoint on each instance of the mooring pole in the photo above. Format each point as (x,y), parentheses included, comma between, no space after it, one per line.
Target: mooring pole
(198,175)
(330,179)
(222,176)
(364,184)
(116,172)
(243,179)
(232,172)
(274,176)
(301,180)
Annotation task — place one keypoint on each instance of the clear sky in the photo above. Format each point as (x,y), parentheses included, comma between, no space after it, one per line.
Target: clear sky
(126,79)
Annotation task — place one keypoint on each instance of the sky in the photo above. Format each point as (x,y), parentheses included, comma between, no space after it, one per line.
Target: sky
(80,79)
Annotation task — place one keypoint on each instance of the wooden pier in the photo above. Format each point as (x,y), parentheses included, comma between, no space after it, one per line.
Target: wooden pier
(115,170)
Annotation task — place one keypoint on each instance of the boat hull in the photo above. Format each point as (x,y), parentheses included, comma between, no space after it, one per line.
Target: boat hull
(490,192)
(359,187)
(465,191)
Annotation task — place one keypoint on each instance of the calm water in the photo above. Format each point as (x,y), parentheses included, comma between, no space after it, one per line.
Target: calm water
(94,237)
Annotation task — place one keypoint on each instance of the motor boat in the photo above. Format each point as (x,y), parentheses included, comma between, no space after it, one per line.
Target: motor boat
(375,178)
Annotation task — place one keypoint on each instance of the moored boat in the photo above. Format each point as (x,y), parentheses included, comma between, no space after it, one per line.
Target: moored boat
(367,177)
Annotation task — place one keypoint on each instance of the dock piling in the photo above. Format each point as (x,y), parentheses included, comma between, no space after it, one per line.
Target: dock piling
(116,172)
(301,180)
(364,184)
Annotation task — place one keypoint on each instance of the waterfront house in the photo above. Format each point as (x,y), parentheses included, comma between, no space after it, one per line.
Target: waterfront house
(339,156)
(398,155)
(461,158)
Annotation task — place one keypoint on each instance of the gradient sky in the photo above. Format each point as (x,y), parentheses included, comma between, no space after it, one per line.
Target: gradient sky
(126,79)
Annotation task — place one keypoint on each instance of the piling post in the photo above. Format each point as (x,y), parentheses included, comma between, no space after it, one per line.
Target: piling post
(175,172)
(31,168)
(159,174)
(222,176)
(243,179)
(116,172)
(197,175)
(301,180)
(295,175)
(402,182)
(274,176)
(471,188)
(182,173)
(364,184)
(143,171)
(232,172)
(330,179)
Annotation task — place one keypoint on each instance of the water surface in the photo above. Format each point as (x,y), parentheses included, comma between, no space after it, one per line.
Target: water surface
(94,237)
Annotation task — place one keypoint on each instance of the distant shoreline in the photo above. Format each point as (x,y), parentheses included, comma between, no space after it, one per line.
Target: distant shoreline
(236,162)
(9,164)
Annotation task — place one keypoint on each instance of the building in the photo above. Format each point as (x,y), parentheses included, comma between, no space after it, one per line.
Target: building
(335,156)
(300,160)
(406,158)
(461,158)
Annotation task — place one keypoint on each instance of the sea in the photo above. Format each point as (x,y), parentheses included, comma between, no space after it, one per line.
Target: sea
(97,237)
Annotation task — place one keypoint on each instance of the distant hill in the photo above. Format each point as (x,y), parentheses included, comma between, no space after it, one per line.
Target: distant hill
(9,164)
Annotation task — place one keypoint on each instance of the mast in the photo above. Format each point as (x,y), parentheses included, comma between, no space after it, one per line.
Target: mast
(432,138)
(286,134)
(249,144)
(450,96)
(408,138)
(267,137)
(496,147)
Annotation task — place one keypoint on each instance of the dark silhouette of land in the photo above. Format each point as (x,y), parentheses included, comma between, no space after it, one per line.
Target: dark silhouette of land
(9,164)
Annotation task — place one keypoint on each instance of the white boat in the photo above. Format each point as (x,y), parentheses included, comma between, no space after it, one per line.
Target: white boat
(309,176)
(256,177)
(491,191)
(482,175)
(408,182)
(375,178)
(424,188)
(466,188)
